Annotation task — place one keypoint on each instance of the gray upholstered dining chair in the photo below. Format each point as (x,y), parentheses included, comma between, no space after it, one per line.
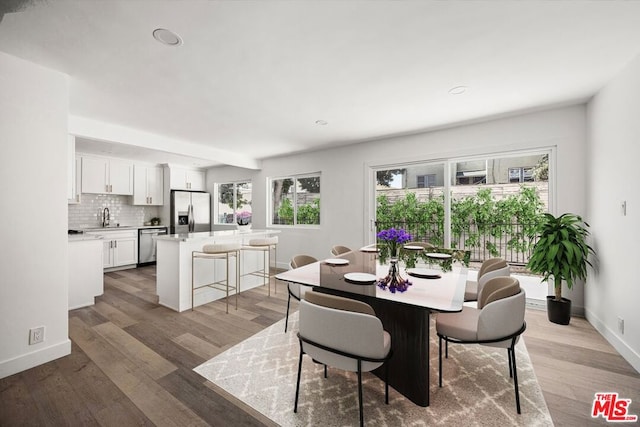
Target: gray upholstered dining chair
(498,322)
(490,268)
(297,290)
(342,333)
(339,250)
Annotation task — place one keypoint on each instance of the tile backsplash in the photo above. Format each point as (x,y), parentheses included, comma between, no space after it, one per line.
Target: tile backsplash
(88,213)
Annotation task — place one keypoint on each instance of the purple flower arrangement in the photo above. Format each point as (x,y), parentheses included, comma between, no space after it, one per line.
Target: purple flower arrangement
(392,238)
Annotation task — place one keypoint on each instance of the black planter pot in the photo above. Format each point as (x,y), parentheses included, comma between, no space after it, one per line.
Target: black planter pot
(559,311)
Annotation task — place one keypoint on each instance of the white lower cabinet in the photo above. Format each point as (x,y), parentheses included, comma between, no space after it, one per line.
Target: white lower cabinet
(86,279)
(120,247)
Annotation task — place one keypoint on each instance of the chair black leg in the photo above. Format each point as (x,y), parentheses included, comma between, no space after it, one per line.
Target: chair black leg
(510,365)
(325,371)
(360,392)
(446,349)
(515,377)
(286,322)
(295,407)
(386,383)
(439,361)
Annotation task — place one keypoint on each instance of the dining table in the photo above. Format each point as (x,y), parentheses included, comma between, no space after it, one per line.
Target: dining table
(405,315)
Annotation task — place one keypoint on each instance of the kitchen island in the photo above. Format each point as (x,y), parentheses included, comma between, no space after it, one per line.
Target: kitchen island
(173,266)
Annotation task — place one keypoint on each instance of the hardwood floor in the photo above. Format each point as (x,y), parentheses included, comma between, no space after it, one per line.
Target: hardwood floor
(131,363)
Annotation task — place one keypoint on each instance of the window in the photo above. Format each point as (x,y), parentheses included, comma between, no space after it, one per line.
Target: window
(488,205)
(296,200)
(233,203)
(426,181)
(523,174)
(470,172)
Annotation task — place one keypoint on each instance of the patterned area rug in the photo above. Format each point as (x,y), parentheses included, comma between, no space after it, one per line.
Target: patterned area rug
(261,371)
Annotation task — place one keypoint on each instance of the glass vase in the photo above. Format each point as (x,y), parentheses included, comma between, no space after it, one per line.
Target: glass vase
(394,281)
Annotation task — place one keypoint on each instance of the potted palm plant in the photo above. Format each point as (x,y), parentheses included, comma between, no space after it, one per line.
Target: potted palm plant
(561,253)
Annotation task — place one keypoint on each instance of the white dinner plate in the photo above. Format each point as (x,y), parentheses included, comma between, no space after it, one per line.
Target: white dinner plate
(369,249)
(438,255)
(337,261)
(424,273)
(413,248)
(364,278)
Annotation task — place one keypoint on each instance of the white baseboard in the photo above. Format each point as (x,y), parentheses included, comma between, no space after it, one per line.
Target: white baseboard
(629,354)
(541,304)
(36,358)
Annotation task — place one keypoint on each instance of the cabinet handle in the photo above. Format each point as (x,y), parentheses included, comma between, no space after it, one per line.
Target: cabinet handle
(106,188)
(115,243)
(150,200)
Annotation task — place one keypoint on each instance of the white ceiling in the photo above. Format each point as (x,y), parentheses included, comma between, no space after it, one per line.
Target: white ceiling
(253,77)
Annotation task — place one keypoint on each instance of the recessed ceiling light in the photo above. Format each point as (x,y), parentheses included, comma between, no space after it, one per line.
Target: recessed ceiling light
(457,90)
(167,37)
(322,122)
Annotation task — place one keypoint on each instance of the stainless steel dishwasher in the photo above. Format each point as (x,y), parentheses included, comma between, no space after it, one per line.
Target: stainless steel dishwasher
(147,244)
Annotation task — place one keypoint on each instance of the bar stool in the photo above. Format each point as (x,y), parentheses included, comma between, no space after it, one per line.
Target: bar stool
(218,251)
(265,245)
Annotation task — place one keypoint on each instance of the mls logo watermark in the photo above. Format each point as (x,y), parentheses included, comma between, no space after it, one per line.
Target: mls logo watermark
(612,408)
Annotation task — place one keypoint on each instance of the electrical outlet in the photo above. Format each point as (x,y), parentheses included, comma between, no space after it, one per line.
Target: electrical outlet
(36,335)
(621,325)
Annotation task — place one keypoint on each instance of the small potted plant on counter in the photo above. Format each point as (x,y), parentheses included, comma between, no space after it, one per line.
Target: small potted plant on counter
(561,253)
(243,219)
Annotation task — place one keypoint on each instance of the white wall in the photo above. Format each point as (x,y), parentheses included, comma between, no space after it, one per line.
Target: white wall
(33,213)
(614,152)
(344,190)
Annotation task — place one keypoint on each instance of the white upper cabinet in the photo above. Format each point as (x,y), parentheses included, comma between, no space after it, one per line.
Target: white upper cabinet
(105,175)
(74,169)
(187,179)
(77,183)
(148,185)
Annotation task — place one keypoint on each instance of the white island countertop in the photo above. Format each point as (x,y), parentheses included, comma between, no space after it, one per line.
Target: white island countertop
(216,235)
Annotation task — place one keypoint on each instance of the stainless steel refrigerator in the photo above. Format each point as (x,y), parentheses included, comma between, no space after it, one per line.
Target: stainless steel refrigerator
(190,212)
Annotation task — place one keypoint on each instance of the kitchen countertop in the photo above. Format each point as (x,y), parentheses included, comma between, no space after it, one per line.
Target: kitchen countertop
(82,237)
(114,228)
(222,235)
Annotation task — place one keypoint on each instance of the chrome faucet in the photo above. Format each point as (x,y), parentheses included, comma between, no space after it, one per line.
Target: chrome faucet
(105,217)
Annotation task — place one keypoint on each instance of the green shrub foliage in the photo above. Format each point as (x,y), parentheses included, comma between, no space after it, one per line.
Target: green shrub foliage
(472,217)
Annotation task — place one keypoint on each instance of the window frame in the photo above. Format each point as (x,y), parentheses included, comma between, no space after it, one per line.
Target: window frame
(449,159)
(294,200)
(216,201)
